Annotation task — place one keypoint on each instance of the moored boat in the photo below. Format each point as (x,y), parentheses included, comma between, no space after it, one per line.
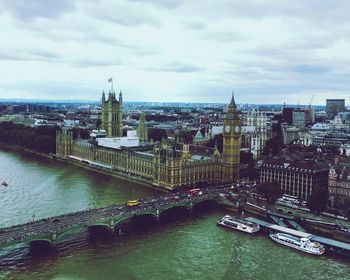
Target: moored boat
(302,244)
(238,224)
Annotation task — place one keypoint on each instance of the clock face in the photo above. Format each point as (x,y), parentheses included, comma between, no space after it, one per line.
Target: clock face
(227,128)
(237,129)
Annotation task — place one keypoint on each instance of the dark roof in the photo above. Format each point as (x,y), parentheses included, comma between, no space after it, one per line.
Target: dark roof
(197,150)
(298,165)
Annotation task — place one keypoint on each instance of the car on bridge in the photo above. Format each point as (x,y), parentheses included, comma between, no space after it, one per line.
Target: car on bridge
(133,203)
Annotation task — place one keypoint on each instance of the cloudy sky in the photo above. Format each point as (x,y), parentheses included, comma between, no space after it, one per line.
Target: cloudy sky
(175,50)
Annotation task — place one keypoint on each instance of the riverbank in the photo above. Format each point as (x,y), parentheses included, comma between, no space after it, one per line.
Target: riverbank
(306,220)
(116,174)
(17,148)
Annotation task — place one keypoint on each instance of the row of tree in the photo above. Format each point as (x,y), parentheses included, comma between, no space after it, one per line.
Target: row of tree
(41,139)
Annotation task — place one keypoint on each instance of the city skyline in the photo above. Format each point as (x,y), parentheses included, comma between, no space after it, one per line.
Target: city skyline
(175,51)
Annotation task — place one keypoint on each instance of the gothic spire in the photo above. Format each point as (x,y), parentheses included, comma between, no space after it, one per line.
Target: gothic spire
(233,103)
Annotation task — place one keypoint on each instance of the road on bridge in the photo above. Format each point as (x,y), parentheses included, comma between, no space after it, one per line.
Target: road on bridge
(52,225)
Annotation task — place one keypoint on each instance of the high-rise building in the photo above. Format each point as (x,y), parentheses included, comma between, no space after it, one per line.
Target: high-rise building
(112,114)
(334,106)
(299,118)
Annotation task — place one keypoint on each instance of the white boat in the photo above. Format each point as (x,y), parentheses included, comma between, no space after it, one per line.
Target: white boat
(238,224)
(302,244)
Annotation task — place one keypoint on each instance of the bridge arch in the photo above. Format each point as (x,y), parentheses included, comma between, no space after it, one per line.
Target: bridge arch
(133,216)
(209,203)
(41,246)
(99,225)
(61,234)
(174,212)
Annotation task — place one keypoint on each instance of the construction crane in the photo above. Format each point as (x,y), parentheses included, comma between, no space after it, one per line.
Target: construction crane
(299,101)
(312,99)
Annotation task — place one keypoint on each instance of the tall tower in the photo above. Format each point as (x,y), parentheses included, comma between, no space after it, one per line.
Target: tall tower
(142,131)
(231,143)
(112,113)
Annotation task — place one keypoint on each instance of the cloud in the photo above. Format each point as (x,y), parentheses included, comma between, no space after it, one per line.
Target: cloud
(87,63)
(195,24)
(225,36)
(163,3)
(26,55)
(31,10)
(188,49)
(178,67)
(123,14)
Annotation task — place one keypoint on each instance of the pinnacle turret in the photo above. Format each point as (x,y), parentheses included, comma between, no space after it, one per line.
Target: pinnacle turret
(233,103)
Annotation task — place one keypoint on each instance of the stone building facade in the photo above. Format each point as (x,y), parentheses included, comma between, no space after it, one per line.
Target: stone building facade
(296,177)
(142,130)
(256,131)
(339,183)
(112,114)
(168,164)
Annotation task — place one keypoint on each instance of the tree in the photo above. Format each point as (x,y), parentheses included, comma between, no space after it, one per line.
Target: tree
(273,146)
(347,208)
(80,132)
(156,134)
(270,190)
(218,139)
(246,158)
(42,139)
(318,200)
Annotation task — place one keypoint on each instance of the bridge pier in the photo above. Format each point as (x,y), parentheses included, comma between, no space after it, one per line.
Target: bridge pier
(112,224)
(157,215)
(190,208)
(54,236)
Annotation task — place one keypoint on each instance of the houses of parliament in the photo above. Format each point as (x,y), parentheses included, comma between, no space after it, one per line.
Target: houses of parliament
(166,164)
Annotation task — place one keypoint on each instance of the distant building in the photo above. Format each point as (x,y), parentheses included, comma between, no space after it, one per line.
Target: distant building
(291,133)
(296,177)
(339,183)
(299,118)
(334,139)
(287,114)
(345,116)
(334,106)
(256,132)
(201,140)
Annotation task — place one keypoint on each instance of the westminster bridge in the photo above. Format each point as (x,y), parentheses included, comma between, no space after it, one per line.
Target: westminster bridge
(52,229)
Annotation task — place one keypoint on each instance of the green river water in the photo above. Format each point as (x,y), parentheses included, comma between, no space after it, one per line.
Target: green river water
(192,248)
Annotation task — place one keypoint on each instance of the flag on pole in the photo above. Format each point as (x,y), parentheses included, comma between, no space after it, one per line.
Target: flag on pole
(110,80)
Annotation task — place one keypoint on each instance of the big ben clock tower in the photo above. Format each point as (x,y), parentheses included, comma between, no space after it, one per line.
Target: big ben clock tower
(231,143)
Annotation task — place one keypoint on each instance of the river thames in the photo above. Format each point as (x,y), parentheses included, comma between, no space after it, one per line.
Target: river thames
(192,248)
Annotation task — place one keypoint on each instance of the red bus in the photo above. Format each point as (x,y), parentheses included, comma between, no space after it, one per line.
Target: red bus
(194,191)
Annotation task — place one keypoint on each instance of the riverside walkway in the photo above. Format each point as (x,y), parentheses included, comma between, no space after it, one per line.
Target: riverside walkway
(53,228)
(331,244)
